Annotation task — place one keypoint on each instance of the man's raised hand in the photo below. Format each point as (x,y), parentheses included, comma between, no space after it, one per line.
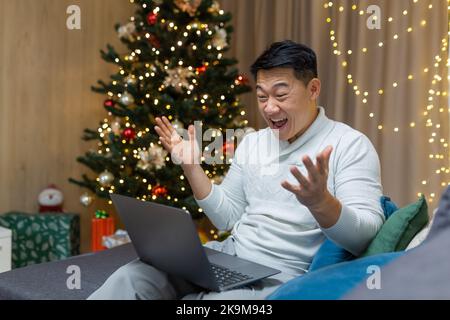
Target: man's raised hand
(311,190)
(184,152)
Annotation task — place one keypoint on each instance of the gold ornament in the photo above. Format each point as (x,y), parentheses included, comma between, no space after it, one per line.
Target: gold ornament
(115,126)
(126,99)
(220,38)
(178,78)
(127,31)
(144,162)
(215,7)
(158,156)
(105,178)
(189,6)
(86,199)
(153,158)
(131,80)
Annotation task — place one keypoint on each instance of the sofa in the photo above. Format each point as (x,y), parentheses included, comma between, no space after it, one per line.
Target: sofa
(48,281)
(336,276)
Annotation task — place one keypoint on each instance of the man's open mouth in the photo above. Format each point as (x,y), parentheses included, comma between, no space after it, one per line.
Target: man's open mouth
(279,123)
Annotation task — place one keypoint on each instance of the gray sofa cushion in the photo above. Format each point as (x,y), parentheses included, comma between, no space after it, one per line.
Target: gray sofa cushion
(47,281)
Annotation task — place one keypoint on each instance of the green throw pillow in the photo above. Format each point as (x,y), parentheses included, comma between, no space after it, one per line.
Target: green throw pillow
(398,231)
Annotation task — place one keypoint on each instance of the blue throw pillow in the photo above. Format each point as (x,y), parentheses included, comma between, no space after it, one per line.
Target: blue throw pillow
(389,207)
(330,253)
(333,282)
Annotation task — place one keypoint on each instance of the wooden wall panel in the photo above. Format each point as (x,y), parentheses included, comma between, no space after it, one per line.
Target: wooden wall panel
(46,72)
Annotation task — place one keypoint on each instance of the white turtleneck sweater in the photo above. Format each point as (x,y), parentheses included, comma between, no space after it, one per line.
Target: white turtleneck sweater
(269,225)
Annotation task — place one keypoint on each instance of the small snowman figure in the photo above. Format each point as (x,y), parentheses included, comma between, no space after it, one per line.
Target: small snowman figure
(51,199)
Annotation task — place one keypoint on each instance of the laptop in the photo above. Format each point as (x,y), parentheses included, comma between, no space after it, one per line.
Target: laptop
(166,238)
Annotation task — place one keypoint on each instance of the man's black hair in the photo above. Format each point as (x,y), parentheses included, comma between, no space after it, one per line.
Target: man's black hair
(288,54)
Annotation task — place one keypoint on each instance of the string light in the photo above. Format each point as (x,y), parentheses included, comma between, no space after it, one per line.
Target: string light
(436,79)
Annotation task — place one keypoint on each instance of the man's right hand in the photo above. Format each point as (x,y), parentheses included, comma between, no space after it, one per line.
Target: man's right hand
(184,152)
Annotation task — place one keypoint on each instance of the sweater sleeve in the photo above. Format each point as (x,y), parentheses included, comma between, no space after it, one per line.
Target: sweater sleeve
(358,188)
(225,203)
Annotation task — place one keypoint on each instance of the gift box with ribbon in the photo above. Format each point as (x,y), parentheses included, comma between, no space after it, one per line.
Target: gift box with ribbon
(102,225)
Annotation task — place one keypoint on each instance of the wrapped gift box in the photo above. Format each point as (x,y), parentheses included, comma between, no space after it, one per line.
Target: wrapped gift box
(42,237)
(101,227)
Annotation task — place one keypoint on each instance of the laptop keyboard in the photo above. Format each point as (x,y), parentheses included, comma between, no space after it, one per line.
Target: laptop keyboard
(226,277)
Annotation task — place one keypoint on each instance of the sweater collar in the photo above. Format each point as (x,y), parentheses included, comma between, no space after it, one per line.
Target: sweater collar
(318,124)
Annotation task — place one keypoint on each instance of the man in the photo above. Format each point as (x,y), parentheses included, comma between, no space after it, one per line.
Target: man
(278,219)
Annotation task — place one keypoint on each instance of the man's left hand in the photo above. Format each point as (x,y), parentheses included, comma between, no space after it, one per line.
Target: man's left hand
(312,191)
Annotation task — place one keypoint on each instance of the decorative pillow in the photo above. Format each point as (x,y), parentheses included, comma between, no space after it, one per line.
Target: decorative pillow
(398,231)
(388,206)
(422,235)
(333,282)
(418,238)
(330,253)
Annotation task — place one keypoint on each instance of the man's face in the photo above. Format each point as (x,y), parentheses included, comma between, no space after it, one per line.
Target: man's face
(287,105)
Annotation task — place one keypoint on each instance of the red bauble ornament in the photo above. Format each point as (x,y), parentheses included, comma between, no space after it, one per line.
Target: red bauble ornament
(129,134)
(228,148)
(154,41)
(159,191)
(152,18)
(108,103)
(201,69)
(242,80)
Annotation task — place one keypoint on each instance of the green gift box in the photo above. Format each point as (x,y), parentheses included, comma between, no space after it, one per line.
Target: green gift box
(42,237)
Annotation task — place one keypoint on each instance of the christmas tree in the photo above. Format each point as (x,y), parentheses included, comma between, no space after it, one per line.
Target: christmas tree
(175,67)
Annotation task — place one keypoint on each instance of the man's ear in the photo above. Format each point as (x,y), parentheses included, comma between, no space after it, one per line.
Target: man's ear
(314,88)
